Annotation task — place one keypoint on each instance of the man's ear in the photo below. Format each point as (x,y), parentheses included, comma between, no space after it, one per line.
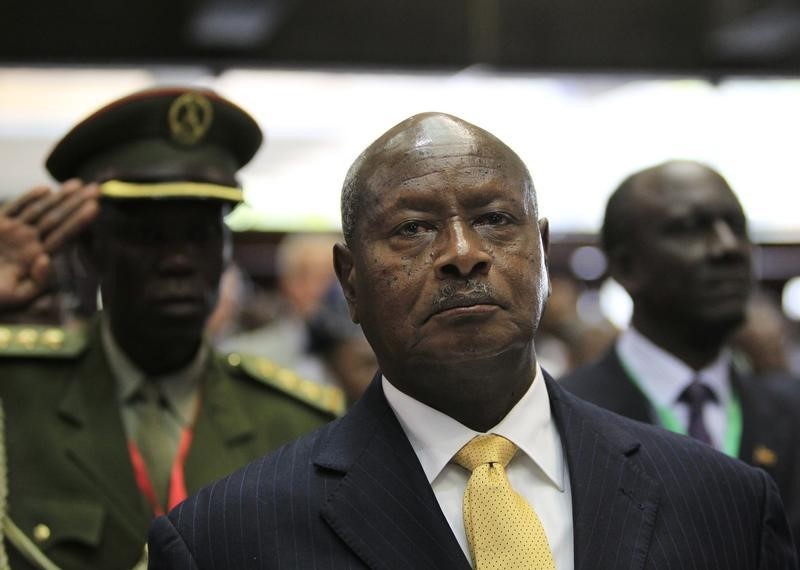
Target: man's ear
(544,234)
(346,273)
(624,269)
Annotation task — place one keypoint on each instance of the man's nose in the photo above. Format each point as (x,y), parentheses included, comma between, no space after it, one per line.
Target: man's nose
(463,253)
(176,258)
(725,241)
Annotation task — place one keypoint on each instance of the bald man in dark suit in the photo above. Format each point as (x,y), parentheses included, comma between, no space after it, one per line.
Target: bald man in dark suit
(444,267)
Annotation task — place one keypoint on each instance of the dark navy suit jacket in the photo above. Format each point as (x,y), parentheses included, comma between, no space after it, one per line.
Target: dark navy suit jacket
(770,420)
(353,495)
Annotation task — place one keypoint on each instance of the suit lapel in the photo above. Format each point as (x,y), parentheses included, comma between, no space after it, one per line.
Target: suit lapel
(628,399)
(95,441)
(765,433)
(223,430)
(383,507)
(614,504)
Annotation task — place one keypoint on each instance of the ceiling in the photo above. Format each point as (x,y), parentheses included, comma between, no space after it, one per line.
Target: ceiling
(713,36)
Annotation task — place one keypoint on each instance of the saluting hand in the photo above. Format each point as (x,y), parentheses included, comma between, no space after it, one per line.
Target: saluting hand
(32,227)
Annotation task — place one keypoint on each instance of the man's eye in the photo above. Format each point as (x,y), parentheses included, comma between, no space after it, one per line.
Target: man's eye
(492,219)
(410,229)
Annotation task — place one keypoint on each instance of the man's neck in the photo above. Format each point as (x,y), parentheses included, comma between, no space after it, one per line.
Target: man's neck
(696,347)
(476,394)
(157,357)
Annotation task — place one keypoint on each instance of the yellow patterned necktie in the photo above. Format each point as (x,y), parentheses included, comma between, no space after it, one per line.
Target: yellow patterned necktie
(503,530)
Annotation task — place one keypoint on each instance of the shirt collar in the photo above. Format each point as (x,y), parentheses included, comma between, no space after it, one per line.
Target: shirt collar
(436,437)
(178,388)
(663,376)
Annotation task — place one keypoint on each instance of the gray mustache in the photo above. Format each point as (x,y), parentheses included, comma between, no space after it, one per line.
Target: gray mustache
(463,294)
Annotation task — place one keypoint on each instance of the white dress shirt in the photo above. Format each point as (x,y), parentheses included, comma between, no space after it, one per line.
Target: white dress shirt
(538,472)
(663,377)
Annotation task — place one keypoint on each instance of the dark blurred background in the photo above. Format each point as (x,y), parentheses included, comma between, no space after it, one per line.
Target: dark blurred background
(710,36)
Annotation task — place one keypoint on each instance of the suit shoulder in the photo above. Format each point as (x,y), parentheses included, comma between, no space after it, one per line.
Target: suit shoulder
(265,372)
(42,342)
(596,381)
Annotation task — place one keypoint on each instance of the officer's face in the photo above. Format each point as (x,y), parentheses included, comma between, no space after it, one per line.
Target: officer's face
(449,264)
(159,265)
(691,257)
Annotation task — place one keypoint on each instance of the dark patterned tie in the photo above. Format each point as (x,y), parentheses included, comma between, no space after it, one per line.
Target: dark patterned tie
(695,397)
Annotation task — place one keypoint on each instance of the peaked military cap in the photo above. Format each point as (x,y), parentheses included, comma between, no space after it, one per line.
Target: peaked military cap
(161,143)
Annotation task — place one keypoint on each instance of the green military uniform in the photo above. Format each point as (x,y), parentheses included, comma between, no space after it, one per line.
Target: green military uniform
(76,491)
(72,489)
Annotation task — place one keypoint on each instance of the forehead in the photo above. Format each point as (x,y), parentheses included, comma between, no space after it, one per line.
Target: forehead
(158,213)
(457,161)
(682,190)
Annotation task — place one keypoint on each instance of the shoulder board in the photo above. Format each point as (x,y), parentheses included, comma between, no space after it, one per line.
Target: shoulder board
(41,341)
(326,398)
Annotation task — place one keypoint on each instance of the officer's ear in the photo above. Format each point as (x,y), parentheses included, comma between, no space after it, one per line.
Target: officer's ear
(346,273)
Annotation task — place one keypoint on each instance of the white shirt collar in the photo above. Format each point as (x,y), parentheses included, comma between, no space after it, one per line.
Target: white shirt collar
(662,376)
(436,437)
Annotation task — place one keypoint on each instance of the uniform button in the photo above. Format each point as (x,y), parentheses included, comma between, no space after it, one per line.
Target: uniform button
(41,532)
(234,359)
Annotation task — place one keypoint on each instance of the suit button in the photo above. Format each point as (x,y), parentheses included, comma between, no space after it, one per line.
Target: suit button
(41,532)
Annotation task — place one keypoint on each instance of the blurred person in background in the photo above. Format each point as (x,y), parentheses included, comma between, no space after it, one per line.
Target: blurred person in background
(565,340)
(341,344)
(304,266)
(676,239)
(116,423)
(762,342)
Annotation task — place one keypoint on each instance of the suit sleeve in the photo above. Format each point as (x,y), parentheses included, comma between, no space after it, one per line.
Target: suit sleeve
(777,547)
(167,549)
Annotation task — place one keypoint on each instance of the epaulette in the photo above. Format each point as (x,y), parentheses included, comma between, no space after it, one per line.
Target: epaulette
(326,398)
(42,341)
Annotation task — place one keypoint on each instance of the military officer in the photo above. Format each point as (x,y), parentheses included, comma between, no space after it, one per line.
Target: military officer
(110,425)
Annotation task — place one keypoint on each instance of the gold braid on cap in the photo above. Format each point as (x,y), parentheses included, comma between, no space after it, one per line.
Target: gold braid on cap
(119,189)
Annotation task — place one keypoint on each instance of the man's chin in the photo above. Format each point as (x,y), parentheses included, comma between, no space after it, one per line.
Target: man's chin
(720,322)
(471,352)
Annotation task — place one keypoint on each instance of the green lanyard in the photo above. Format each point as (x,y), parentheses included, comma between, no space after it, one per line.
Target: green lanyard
(668,420)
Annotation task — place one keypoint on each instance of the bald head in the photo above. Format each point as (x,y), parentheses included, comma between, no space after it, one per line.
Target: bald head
(671,176)
(423,137)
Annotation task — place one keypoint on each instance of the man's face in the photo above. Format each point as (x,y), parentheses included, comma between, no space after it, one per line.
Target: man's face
(449,260)
(690,259)
(159,265)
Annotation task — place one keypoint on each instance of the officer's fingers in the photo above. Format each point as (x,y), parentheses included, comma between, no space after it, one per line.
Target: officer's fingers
(70,202)
(19,242)
(35,209)
(72,185)
(74,224)
(13,207)
(40,270)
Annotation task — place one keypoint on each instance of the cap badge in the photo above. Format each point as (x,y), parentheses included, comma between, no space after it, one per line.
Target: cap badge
(190,117)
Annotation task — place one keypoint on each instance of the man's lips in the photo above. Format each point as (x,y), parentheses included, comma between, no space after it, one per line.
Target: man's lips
(479,301)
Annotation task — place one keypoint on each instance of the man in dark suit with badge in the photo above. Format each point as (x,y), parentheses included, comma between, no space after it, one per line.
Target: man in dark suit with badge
(676,239)
(109,426)
(462,449)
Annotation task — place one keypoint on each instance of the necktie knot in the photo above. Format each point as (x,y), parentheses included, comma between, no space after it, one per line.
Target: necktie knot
(484,449)
(697,394)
